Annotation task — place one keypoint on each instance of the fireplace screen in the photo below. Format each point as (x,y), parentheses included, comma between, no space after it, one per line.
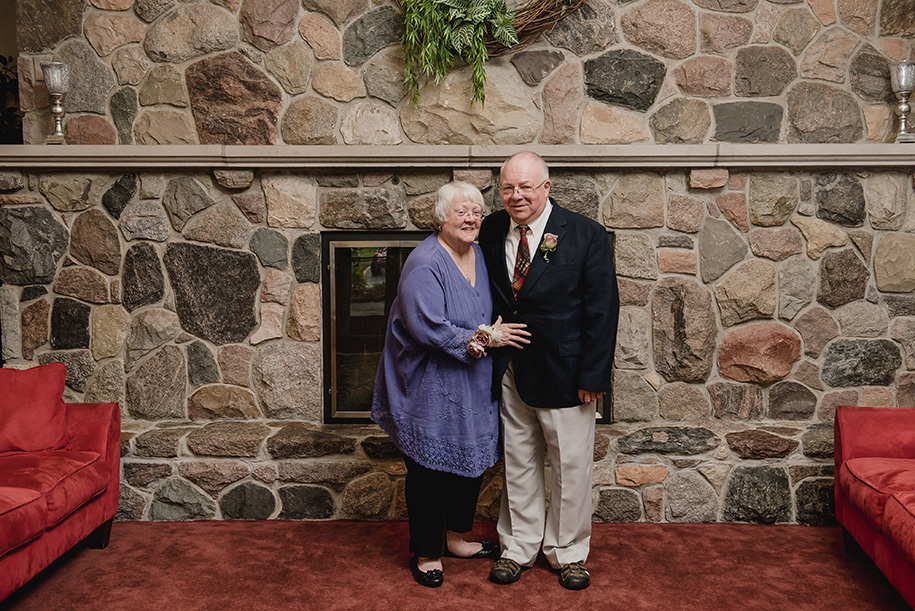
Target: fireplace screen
(361,273)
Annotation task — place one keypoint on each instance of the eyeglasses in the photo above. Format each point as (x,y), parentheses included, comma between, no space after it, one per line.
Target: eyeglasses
(525,191)
(463,214)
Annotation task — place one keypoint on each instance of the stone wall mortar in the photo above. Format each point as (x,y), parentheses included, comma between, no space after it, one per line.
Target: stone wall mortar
(269,72)
(729,366)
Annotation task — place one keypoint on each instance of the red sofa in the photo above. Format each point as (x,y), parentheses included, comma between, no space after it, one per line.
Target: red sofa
(875,488)
(59,472)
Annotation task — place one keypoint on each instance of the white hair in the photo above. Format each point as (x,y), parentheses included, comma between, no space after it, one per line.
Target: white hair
(450,194)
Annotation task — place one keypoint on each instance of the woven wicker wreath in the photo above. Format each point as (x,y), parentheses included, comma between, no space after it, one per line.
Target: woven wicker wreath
(531,20)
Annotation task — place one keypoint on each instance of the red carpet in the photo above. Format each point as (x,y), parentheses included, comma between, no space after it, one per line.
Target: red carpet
(363,565)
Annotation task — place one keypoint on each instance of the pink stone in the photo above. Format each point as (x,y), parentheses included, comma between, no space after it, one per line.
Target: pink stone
(762,353)
(734,207)
(776,244)
(711,178)
(268,23)
(737,182)
(252,206)
(271,326)
(633,293)
(825,10)
(873,396)
(677,262)
(718,33)
(706,77)
(859,15)
(321,35)
(685,213)
(818,328)
(665,27)
(831,400)
(276,287)
(561,98)
(235,363)
(90,129)
(305,313)
(639,475)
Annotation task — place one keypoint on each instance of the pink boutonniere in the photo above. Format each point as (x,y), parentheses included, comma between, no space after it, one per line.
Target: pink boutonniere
(548,245)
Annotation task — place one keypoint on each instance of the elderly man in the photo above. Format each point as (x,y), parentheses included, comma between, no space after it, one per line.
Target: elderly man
(551,269)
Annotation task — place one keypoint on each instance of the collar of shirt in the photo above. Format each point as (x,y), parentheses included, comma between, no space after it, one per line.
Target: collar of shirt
(534,235)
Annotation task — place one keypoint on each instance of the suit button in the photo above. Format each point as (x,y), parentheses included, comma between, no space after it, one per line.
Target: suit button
(515,313)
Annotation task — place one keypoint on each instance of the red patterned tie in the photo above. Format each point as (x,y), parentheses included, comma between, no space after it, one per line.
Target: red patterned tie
(522,262)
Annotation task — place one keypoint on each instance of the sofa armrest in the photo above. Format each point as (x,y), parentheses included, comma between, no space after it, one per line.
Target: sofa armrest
(92,426)
(887,432)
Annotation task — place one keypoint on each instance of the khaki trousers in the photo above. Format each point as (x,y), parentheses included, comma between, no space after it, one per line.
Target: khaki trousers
(566,436)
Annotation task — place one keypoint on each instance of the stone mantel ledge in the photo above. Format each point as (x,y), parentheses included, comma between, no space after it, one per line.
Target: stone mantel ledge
(723,155)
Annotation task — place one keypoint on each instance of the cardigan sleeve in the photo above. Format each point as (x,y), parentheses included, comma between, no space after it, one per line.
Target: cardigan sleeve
(422,294)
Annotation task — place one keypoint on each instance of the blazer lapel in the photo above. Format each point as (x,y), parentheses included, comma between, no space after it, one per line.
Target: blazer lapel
(556,225)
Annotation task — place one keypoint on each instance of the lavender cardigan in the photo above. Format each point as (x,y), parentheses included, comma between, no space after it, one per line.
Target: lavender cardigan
(431,396)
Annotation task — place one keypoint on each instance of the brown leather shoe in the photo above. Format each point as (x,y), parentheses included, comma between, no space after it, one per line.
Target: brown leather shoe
(505,571)
(574,576)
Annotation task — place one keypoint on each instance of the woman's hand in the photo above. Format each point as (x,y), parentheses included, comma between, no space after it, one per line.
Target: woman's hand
(510,334)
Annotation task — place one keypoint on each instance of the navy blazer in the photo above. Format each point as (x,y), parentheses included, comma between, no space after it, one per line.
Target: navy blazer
(569,303)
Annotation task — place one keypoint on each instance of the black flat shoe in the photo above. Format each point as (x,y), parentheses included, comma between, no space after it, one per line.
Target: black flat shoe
(490,550)
(430,579)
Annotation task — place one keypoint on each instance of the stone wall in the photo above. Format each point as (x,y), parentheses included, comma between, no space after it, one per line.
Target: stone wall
(753,303)
(331,72)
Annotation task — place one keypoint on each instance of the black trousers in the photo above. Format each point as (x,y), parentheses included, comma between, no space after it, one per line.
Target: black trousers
(438,501)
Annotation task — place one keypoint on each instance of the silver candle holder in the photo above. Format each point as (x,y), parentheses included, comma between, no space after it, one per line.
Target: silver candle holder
(902,78)
(57,80)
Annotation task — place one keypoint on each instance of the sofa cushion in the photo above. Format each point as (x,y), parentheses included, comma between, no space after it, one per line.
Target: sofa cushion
(32,414)
(899,523)
(23,516)
(66,479)
(869,483)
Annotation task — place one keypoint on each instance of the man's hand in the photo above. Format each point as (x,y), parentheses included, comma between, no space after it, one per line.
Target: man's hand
(586,396)
(511,334)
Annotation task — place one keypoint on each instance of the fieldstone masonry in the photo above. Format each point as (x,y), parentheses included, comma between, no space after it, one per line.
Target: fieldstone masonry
(754,302)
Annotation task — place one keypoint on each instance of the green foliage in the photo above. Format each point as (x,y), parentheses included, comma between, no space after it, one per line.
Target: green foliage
(438,33)
(10,115)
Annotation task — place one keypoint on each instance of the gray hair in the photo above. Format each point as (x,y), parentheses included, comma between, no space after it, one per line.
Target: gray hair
(544,168)
(450,194)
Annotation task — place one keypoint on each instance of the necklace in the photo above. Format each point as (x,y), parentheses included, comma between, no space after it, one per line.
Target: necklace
(457,259)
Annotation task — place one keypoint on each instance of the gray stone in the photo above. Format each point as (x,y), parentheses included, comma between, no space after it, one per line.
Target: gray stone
(681,121)
(903,331)
(816,502)
(156,389)
(213,476)
(91,82)
(617,506)
(59,20)
(886,202)
(684,329)
(843,278)
(32,242)
(861,362)
(234,179)
(148,330)
(248,501)
(11,181)
(894,262)
(309,120)
(384,76)
(124,105)
(185,196)
(215,291)
(577,193)
(80,366)
(720,248)
(773,198)
(863,319)
(869,76)
(736,401)
(590,29)
(795,29)
(669,440)
(369,123)
(333,473)
(291,65)
(306,257)
(72,192)
(271,248)
(201,364)
(625,77)
(636,201)
(150,10)
(190,31)
(758,494)
(689,498)
(378,208)
(106,384)
(728,6)
(306,503)
(131,505)
(819,442)
(675,241)
(10,330)
(809,120)
(791,401)
(178,500)
(680,401)
(142,474)
(380,447)
(289,396)
(370,33)
(748,121)
(32,292)
(840,199)
(534,66)
(747,293)
(368,497)
(797,281)
(143,280)
(633,337)
(160,443)
(896,19)
(236,439)
(763,71)
(634,399)
(69,324)
(635,256)
(298,441)
(163,85)
(119,195)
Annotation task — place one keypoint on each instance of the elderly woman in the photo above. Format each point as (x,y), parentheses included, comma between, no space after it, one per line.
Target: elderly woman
(433,387)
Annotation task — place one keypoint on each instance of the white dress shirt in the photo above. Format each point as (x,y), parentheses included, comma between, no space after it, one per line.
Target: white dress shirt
(534,235)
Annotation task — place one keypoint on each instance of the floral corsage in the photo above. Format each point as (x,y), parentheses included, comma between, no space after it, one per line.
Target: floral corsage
(481,339)
(548,245)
